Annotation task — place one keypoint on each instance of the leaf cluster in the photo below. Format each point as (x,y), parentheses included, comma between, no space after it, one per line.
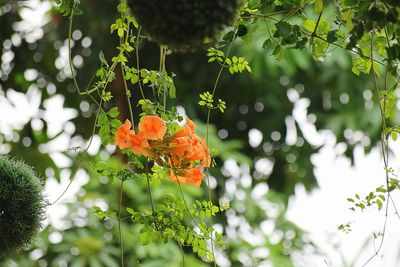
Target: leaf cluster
(378,197)
(235,64)
(207,100)
(108,125)
(166,222)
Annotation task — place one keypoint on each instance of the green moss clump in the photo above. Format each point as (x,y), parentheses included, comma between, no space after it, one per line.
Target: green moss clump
(22,205)
(183,24)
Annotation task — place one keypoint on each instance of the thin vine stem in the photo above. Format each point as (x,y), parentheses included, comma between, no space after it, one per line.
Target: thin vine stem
(88,93)
(182,253)
(318,21)
(186,206)
(382,107)
(162,64)
(121,242)
(207,140)
(72,69)
(84,153)
(163,55)
(260,16)
(269,32)
(394,206)
(71,66)
(313,34)
(127,95)
(289,14)
(336,44)
(191,215)
(383,236)
(150,194)
(385,152)
(138,60)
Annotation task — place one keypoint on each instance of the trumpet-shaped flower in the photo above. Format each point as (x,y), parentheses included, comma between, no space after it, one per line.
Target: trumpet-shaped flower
(180,147)
(122,135)
(152,127)
(139,145)
(184,153)
(187,130)
(192,176)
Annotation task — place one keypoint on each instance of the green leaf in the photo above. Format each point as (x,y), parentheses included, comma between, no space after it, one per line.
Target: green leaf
(102,119)
(130,211)
(348,16)
(102,58)
(283,29)
(394,136)
(309,25)
(361,65)
(120,32)
(318,48)
(266,43)
(379,203)
(115,123)
(381,189)
(242,30)
(331,37)
(172,92)
(318,6)
(113,112)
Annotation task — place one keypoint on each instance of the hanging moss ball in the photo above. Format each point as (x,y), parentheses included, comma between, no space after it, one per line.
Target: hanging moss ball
(22,205)
(183,24)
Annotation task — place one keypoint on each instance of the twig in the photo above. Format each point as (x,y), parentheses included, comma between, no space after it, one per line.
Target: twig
(382,239)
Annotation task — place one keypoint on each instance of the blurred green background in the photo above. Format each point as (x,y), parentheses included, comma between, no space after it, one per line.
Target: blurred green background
(264,150)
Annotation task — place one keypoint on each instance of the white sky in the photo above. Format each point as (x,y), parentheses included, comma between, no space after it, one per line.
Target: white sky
(325,208)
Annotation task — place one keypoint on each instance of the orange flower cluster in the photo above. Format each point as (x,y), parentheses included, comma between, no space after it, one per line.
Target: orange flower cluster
(184,152)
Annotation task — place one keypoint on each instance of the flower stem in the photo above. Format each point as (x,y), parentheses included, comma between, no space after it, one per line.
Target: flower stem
(119,224)
(207,139)
(127,95)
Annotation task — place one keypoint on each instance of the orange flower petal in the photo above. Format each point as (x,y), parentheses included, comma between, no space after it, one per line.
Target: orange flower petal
(138,144)
(195,176)
(180,147)
(192,177)
(196,153)
(187,130)
(191,124)
(152,127)
(206,160)
(121,137)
